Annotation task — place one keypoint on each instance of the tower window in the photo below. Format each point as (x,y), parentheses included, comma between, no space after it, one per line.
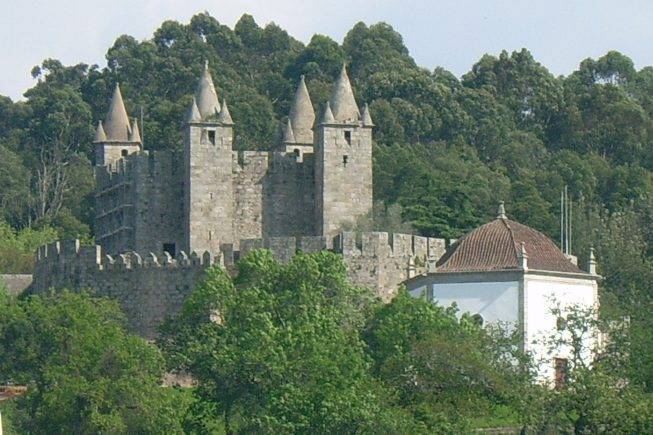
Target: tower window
(212,137)
(345,158)
(124,153)
(348,137)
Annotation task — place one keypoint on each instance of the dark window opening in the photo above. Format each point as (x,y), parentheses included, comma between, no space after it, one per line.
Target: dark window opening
(124,153)
(170,248)
(296,151)
(561,372)
(344,160)
(348,137)
(212,137)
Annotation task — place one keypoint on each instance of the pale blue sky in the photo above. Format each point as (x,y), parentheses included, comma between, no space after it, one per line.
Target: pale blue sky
(448,33)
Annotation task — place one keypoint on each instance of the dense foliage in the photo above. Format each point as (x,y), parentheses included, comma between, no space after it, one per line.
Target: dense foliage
(84,372)
(295,348)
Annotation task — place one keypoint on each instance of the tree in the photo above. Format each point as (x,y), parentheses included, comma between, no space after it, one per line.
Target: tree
(277,349)
(448,372)
(84,373)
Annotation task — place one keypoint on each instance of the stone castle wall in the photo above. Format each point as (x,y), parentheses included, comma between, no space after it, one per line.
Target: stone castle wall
(150,287)
(137,202)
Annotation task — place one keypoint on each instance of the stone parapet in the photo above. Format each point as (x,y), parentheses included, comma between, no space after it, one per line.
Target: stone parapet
(150,286)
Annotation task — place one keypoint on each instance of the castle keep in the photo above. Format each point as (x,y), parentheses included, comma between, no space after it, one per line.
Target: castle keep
(313,183)
(162,216)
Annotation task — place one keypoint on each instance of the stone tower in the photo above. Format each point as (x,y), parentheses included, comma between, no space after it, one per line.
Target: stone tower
(116,138)
(343,161)
(208,188)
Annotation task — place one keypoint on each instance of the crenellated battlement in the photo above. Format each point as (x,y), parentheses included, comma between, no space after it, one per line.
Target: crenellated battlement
(150,286)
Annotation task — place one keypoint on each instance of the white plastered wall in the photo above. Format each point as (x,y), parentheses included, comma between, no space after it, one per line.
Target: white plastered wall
(494,301)
(541,294)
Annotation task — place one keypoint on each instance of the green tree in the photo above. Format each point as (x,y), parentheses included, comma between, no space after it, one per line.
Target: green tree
(278,348)
(84,373)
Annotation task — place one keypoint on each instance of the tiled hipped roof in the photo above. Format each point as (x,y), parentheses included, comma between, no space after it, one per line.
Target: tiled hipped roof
(496,246)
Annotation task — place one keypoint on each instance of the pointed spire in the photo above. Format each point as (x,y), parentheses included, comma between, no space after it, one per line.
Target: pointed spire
(225,117)
(100,136)
(116,125)
(342,100)
(523,256)
(206,97)
(501,214)
(327,116)
(591,263)
(135,136)
(288,135)
(302,114)
(366,117)
(193,113)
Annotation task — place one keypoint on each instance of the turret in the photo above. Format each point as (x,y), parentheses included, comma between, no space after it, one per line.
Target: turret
(343,161)
(208,187)
(298,131)
(115,137)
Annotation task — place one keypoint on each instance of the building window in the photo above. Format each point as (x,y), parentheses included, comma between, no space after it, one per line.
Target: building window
(124,153)
(170,248)
(345,158)
(212,137)
(560,366)
(348,137)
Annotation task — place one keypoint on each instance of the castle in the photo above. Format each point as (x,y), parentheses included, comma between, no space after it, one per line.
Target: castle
(209,196)
(163,216)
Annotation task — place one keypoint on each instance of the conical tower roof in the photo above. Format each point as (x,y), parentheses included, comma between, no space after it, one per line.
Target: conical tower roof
(116,125)
(135,135)
(366,117)
(206,97)
(193,113)
(302,114)
(343,103)
(100,136)
(288,135)
(327,116)
(225,116)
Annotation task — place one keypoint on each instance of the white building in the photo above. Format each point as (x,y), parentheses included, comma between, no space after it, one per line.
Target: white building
(507,272)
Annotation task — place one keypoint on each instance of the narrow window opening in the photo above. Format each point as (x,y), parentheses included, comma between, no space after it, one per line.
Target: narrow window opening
(124,153)
(212,137)
(210,235)
(348,137)
(170,248)
(345,158)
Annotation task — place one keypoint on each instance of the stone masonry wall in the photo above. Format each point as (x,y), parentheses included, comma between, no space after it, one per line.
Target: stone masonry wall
(273,195)
(150,287)
(137,203)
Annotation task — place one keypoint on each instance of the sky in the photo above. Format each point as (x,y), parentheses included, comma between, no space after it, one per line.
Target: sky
(452,34)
